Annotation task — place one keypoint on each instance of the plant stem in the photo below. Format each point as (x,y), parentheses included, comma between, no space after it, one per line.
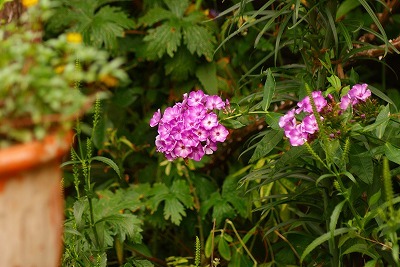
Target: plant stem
(241,242)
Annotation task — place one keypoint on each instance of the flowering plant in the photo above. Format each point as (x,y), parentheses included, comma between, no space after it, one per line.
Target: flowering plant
(190,129)
(41,80)
(299,133)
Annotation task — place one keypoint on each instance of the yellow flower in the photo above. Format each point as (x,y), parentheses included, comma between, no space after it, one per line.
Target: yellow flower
(74,37)
(29,3)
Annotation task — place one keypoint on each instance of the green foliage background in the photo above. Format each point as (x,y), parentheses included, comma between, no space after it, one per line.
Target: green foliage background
(256,201)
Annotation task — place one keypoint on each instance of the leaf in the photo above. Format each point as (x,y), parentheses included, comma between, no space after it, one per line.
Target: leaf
(106,26)
(109,162)
(323,238)
(198,39)
(361,248)
(181,65)
(155,15)
(272,119)
(178,7)
(79,208)
(224,250)
(181,190)
(361,164)
(163,39)
(141,263)
(392,152)
(374,198)
(173,209)
(269,90)
(381,95)
(346,7)
(267,143)
(335,216)
(207,75)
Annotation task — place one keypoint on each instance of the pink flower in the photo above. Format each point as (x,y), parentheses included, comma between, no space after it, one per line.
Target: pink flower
(360,92)
(219,133)
(357,93)
(155,119)
(214,102)
(190,129)
(297,136)
(210,121)
(309,124)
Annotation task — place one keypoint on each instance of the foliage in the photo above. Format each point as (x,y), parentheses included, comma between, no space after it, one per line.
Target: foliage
(37,89)
(257,201)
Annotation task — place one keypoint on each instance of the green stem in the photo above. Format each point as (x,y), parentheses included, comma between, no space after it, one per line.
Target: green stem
(332,245)
(198,4)
(352,209)
(241,242)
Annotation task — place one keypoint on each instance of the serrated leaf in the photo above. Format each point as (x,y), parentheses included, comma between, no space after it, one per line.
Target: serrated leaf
(163,39)
(207,75)
(109,162)
(181,65)
(269,90)
(198,39)
(392,152)
(181,190)
(267,143)
(224,250)
(178,7)
(155,15)
(173,209)
(106,26)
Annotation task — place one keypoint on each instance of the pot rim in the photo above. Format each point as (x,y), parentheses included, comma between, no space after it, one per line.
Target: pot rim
(22,157)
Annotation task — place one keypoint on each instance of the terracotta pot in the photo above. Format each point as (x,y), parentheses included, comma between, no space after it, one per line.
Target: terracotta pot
(31,202)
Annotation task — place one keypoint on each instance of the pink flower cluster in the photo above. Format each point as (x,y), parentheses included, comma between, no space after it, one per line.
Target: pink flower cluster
(299,132)
(357,93)
(190,129)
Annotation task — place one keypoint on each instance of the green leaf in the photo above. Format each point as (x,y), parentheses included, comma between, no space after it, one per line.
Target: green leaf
(346,7)
(181,65)
(155,15)
(374,198)
(335,216)
(141,263)
(392,152)
(207,75)
(269,90)
(181,190)
(224,250)
(109,162)
(163,39)
(272,119)
(361,164)
(198,39)
(173,209)
(79,208)
(361,248)
(267,143)
(178,7)
(323,238)
(2,2)
(106,26)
